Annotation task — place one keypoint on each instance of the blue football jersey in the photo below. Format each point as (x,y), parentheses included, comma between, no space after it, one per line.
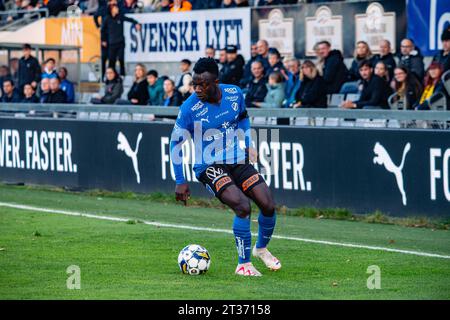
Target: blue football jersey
(212,127)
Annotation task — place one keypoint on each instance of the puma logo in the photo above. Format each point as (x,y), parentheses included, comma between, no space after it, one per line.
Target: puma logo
(382,158)
(125,147)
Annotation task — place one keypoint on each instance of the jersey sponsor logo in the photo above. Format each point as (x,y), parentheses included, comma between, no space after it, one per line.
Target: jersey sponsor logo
(197,106)
(202,113)
(235,106)
(250,182)
(222,182)
(232,98)
(231,90)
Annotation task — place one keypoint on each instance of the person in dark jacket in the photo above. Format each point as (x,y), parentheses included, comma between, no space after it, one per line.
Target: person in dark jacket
(374,93)
(4,74)
(247,75)
(29,95)
(10,93)
(443,56)
(112,29)
(44,90)
(293,83)
(172,97)
(262,46)
(29,69)
(113,88)
(312,92)
(334,70)
(57,95)
(386,57)
(232,71)
(406,86)
(276,64)
(411,58)
(138,94)
(362,52)
(257,89)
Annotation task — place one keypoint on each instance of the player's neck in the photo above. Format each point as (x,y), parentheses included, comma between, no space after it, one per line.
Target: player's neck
(216,97)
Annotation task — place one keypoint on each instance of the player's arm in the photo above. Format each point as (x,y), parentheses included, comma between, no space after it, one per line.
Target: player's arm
(179,135)
(244,125)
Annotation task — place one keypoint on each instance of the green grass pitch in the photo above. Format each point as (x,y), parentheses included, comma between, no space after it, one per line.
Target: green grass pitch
(120,260)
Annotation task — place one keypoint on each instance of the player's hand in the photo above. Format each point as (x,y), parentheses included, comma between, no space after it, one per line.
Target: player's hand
(182,193)
(253,155)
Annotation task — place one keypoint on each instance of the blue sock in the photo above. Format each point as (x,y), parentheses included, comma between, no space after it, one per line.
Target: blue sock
(243,236)
(265,230)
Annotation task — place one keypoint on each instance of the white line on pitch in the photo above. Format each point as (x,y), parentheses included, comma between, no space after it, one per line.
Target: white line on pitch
(186,227)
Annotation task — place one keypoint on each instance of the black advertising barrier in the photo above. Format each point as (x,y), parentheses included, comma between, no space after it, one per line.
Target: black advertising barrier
(400,172)
(295,29)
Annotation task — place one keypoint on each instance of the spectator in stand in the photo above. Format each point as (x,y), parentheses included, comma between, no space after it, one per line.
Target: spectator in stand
(275,92)
(10,94)
(262,3)
(29,69)
(411,59)
(334,70)
(4,74)
(155,89)
(247,75)
(386,57)
(165,6)
(129,6)
(14,66)
(138,94)
(210,52)
(375,92)
(232,71)
(312,92)
(257,89)
(382,71)
(276,63)
(49,69)
(432,85)
(443,56)
(242,3)
(222,57)
(56,94)
(29,95)
(406,86)
(112,29)
(55,7)
(44,90)
(172,98)
(362,52)
(113,88)
(293,83)
(66,85)
(227,4)
(185,78)
(180,5)
(89,7)
(262,47)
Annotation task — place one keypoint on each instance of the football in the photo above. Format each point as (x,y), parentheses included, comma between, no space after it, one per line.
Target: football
(194,260)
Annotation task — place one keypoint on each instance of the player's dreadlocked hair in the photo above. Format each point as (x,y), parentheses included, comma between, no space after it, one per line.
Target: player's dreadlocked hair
(206,65)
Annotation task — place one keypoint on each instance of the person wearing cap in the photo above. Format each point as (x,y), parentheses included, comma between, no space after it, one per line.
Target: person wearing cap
(232,71)
(276,64)
(29,69)
(443,56)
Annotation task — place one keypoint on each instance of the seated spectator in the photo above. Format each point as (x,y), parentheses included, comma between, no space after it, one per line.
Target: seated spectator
(362,52)
(226,4)
(138,93)
(44,90)
(129,6)
(334,69)
(293,83)
(262,46)
(185,78)
(55,7)
(406,87)
(29,95)
(247,75)
(222,57)
(411,59)
(382,71)
(14,67)
(443,56)
(375,92)
(276,63)
(56,95)
(242,3)
(386,57)
(210,52)
(172,98)
(257,89)
(275,92)
(232,71)
(4,74)
(262,3)
(165,6)
(432,85)
(29,69)
(180,5)
(155,89)
(113,88)
(10,94)
(66,85)
(49,69)
(312,92)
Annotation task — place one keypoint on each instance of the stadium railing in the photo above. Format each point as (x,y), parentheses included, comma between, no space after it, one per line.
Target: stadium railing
(335,117)
(28,17)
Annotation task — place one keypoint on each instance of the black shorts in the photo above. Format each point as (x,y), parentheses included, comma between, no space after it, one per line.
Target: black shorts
(218,177)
